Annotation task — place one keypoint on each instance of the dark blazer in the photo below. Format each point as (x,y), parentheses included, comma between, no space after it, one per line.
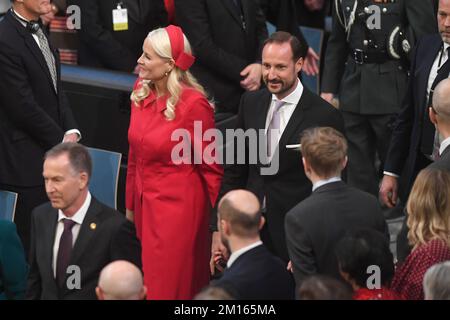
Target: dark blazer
(112,238)
(315,225)
(101,46)
(404,156)
(222,46)
(289,185)
(33,116)
(258,275)
(13,265)
(444,161)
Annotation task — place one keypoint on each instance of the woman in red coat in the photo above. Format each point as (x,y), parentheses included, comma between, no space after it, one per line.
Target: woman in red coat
(171,180)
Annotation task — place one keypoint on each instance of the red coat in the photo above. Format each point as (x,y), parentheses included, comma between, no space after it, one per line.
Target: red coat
(171,201)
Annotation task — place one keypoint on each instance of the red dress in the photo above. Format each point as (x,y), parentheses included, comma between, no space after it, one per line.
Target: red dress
(408,278)
(375,294)
(171,201)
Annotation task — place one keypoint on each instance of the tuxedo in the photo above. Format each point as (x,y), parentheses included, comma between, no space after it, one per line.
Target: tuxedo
(224,44)
(257,275)
(33,117)
(105,235)
(101,46)
(405,157)
(281,191)
(315,225)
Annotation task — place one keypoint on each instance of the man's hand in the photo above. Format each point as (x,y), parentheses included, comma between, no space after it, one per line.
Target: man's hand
(314,5)
(252,74)
(310,65)
(328,97)
(71,137)
(388,191)
(129,214)
(218,253)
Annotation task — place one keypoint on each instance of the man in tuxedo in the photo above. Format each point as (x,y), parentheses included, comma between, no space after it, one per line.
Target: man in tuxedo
(283,110)
(316,224)
(252,272)
(34,112)
(74,236)
(227,37)
(105,42)
(414,143)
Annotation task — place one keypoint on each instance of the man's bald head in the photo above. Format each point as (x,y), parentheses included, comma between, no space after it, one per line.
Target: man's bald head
(441,100)
(121,280)
(242,210)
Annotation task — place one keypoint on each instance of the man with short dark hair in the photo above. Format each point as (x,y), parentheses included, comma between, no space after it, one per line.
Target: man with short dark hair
(277,115)
(34,112)
(252,272)
(74,236)
(315,225)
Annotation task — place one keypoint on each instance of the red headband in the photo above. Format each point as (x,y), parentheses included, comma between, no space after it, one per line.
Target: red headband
(182,59)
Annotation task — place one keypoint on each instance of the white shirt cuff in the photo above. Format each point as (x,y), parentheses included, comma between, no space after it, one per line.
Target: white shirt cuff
(387,173)
(74,131)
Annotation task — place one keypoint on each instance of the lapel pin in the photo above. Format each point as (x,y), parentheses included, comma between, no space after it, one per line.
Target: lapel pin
(93,226)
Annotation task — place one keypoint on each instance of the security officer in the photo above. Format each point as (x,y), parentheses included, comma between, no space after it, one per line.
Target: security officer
(366,66)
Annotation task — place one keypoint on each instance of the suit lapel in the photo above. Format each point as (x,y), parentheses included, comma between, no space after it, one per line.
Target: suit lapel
(87,230)
(49,240)
(233,10)
(425,73)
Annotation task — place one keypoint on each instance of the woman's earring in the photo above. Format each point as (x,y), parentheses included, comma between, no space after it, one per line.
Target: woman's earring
(167,73)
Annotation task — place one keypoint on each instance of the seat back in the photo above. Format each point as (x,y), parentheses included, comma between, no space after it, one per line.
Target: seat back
(105,175)
(8,201)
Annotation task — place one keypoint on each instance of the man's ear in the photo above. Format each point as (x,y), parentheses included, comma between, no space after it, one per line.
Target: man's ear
(432,114)
(261,223)
(344,163)
(99,293)
(299,65)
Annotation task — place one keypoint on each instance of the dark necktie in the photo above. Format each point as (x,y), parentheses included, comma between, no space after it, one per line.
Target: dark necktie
(428,132)
(64,251)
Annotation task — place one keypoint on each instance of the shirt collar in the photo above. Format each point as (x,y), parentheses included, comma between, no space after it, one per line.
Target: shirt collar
(444,145)
(78,217)
(294,96)
(238,253)
(320,183)
(18,15)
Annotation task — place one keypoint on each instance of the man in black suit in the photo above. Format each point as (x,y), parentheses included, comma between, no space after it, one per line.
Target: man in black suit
(414,142)
(104,44)
(284,110)
(252,272)
(74,236)
(226,36)
(316,224)
(34,113)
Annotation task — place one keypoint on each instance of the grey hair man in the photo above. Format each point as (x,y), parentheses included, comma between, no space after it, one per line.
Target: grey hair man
(436,282)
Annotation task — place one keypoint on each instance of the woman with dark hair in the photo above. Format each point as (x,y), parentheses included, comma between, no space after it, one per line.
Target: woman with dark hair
(429,231)
(363,255)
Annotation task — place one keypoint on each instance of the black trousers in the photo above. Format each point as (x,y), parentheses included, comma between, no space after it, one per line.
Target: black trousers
(28,198)
(367,136)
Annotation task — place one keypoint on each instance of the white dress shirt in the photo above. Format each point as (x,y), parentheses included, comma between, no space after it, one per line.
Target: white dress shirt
(35,37)
(78,217)
(440,59)
(320,183)
(241,251)
(444,145)
(286,111)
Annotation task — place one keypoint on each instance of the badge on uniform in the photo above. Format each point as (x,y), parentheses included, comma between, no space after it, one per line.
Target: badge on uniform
(120,18)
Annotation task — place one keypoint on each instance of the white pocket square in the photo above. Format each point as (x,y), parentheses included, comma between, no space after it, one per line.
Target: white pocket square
(293,146)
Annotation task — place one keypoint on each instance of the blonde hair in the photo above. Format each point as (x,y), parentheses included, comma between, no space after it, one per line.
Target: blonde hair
(176,78)
(429,208)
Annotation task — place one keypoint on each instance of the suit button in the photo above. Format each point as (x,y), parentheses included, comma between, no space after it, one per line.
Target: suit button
(384,10)
(347,9)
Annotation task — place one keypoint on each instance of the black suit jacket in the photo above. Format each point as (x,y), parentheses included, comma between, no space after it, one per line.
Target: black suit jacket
(315,225)
(258,275)
(289,185)
(222,46)
(404,151)
(101,46)
(105,235)
(33,116)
